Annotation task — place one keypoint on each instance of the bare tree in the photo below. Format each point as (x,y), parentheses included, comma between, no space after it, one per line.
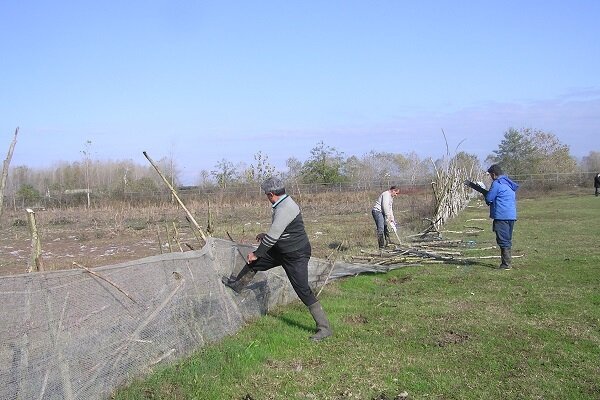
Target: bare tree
(591,162)
(5,167)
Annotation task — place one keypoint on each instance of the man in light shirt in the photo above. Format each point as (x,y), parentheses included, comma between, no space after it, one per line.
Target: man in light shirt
(383,214)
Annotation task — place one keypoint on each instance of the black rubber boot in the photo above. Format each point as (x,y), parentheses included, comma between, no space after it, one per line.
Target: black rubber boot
(381,241)
(323,328)
(506,257)
(386,240)
(241,280)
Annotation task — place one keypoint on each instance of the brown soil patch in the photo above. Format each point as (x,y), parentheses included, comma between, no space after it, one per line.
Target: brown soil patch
(397,281)
(91,238)
(356,319)
(451,337)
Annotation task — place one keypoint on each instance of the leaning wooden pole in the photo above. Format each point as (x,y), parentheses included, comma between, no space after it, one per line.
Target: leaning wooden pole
(189,214)
(35,264)
(5,167)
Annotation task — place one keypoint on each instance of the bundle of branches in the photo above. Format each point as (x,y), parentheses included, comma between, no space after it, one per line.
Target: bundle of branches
(450,193)
(422,252)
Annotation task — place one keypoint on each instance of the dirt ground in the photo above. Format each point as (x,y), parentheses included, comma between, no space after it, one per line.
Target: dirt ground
(90,238)
(337,225)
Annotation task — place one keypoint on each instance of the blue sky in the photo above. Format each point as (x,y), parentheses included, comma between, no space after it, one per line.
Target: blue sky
(202,81)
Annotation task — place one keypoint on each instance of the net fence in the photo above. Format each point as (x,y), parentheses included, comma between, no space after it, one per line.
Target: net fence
(79,335)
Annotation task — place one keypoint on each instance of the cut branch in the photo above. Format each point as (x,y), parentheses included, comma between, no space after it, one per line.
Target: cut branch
(104,279)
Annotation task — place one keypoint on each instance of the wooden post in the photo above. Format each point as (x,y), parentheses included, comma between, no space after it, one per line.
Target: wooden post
(159,241)
(168,237)
(35,263)
(176,236)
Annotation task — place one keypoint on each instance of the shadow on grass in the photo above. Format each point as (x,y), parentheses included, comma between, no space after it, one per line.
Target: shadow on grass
(293,323)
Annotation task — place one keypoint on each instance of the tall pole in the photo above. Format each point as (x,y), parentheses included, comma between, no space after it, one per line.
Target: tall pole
(189,214)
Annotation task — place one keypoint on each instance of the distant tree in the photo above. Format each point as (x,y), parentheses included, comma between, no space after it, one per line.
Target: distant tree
(393,167)
(28,195)
(293,175)
(168,167)
(591,162)
(294,168)
(260,170)
(382,165)
(20,176)
(528,151)
(204,179)
(468,162)
(71,176)
(225,173)
(418,170)
(354,169)
(550,155)
(514,153)
(145,186)
(323,166)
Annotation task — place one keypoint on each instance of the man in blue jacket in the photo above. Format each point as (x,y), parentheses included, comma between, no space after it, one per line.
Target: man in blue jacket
(503,210)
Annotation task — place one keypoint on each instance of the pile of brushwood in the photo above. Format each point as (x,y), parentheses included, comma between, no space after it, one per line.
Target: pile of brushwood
(425,249)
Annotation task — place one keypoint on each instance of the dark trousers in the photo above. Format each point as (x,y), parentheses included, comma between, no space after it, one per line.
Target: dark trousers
(504,231)
(597,191)
(295,265)
(380,222)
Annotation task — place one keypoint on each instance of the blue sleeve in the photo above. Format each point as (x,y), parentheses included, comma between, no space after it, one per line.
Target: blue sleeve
(492,193)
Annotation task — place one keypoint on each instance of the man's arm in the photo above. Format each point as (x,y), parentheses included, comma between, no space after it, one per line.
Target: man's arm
(490,196)
(386,206)
(283,215)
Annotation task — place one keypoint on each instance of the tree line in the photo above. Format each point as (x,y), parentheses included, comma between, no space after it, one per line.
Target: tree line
(521,152)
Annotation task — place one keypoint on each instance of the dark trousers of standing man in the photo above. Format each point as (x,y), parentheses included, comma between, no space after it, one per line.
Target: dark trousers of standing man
(383,233)
(504,230)
(295,265)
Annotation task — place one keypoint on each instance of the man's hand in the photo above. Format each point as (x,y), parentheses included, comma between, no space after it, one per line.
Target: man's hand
(251,257)
(260,236)
(392,225)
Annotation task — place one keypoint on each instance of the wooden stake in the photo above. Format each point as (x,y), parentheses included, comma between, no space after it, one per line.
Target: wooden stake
(195,232)
(159,241)
(36,263)
(168,238)
(176,236)
(209,227)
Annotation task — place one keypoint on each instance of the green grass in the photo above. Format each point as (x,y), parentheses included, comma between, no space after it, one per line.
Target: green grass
(434,331)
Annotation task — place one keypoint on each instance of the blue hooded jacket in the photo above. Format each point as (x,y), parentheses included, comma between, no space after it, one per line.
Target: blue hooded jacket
(502,199)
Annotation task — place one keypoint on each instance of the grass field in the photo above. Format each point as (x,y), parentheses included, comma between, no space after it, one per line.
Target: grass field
(432,331)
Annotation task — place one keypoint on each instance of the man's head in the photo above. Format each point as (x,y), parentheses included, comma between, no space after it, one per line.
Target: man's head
(394,190)
(274,186)
(495,171)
